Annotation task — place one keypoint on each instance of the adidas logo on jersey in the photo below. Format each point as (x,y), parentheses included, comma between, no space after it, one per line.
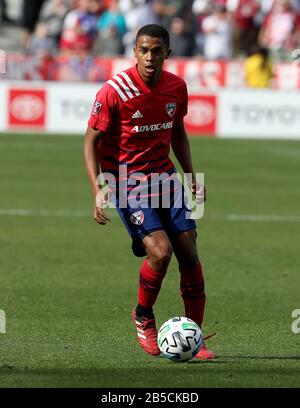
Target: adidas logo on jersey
(137,114)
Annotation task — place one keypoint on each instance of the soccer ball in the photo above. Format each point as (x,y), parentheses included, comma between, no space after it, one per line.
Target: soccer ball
(179,339)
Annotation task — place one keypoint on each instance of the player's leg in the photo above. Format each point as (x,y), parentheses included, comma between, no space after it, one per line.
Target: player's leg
(191,277)
(148,234)
(154,268)
(192,286)
(181,227)
(146,229)
(159,251)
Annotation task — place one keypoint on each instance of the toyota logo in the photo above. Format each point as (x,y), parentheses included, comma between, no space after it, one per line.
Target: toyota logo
(27,107)
(201,113)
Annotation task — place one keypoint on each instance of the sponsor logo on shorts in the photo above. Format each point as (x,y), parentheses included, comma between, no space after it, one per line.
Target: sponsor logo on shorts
(137,217)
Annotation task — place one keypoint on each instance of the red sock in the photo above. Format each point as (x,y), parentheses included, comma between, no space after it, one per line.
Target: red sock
(193,294)
(149,285)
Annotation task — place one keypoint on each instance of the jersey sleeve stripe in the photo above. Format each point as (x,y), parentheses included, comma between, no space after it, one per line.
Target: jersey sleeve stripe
(130,83)
(124,86)
(117,88)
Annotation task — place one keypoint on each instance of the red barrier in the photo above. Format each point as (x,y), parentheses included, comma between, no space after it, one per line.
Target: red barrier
(197,73)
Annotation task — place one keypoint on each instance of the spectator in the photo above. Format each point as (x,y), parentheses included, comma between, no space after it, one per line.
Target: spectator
(296,5)
(245,30)
(258,68)
(167,9)
(201,6)
(52,14)
(79,29)
(200,9)
(111,28)
(31,12)
(218,34)
(4,17)
(137,14)
(40,44)
(280,30)
(182,41)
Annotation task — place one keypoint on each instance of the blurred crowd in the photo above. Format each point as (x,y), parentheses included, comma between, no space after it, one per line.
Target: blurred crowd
(214,30)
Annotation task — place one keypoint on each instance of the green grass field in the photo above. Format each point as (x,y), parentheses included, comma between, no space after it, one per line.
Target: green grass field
(68,285)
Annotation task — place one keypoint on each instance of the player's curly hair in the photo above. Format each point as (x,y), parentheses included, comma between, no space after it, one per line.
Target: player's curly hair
(154,30)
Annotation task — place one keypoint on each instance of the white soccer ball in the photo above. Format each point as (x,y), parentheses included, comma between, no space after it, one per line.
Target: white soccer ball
(179,339)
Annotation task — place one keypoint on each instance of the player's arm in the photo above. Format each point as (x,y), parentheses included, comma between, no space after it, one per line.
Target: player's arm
(91,140)
(181,148)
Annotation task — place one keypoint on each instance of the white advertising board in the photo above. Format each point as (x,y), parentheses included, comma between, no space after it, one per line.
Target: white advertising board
(69,106)
(58,107)
(259,113)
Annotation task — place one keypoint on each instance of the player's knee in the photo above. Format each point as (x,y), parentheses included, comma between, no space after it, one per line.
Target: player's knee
(163,257)
(160,258)
(189,263)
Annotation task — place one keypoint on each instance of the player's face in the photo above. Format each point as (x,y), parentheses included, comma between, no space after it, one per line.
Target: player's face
(150,53)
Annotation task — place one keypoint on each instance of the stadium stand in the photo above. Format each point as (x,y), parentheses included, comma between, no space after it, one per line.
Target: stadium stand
(107,27)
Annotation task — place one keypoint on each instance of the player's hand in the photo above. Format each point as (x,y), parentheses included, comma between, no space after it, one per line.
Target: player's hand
(101,200)
(199,192)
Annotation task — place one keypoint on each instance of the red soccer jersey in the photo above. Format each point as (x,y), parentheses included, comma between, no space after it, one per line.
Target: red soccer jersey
(138,121)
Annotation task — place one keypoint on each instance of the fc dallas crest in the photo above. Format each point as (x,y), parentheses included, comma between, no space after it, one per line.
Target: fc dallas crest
(137,217)
(171,108)
(96,107)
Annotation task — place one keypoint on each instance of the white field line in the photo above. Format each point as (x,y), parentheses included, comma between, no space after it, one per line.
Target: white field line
(41,213)
(83,214)
(262,218)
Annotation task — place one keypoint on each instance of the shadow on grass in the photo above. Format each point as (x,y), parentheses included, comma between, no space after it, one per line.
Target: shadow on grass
(225,371)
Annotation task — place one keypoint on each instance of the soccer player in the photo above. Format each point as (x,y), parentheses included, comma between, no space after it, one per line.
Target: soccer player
(136,117)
